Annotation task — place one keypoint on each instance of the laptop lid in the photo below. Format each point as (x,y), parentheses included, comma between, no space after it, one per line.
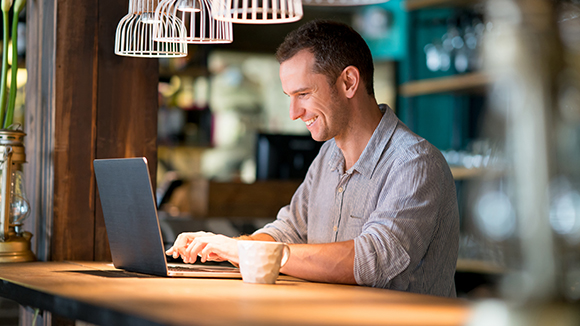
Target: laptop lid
(130,215)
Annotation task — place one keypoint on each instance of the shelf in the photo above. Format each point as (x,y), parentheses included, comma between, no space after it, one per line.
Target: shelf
(421,4)
(456,83)
(488,173)
(478,266)
(461,173)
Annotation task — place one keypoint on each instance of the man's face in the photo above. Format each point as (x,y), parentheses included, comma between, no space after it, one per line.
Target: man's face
(312,99)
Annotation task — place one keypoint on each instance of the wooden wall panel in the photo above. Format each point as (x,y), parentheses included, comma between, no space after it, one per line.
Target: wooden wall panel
(89,103)
(127,106)
(75,109)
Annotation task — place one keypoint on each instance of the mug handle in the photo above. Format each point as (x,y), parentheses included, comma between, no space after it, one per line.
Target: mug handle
(286,255)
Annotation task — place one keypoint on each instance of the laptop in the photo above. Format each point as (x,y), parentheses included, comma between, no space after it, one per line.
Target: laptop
(132,223)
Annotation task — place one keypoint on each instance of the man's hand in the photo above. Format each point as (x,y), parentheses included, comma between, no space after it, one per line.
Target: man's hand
(183,240)
(206,245)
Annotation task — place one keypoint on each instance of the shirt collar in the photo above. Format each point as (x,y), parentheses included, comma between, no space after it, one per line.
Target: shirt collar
(370,156)
(336,161)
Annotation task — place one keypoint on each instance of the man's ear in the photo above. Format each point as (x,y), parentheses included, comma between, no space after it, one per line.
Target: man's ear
(350,81)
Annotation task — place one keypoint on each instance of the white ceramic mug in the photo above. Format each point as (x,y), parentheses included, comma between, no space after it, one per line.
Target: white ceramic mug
(260,261)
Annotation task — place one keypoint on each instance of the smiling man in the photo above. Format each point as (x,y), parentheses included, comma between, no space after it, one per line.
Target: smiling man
(378,204)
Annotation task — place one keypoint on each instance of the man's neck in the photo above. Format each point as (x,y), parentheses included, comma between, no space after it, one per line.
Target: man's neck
(365,119)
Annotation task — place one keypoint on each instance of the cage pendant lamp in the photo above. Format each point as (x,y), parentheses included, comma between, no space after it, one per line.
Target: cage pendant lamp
(341,3)
(199,25)
(134,36)
(258,11)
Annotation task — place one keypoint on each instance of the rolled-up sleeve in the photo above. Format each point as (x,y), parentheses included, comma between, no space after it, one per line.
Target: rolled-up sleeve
(397,234)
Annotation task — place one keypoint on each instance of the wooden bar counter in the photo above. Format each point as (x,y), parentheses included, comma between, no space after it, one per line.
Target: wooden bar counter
(98,293)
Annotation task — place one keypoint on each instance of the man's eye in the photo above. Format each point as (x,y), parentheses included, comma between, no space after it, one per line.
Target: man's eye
(302,94)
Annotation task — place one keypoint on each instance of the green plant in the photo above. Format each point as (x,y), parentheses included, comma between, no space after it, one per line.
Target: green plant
(7,107)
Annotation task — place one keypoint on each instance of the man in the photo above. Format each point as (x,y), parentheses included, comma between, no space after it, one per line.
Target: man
(378,204)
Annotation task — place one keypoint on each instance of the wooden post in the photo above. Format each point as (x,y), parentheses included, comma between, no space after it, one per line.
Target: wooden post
(83,102)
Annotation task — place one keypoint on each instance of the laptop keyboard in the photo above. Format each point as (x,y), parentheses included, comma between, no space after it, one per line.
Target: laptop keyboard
(198,268)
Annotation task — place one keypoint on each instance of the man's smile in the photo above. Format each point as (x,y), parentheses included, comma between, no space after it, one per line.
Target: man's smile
(310,122)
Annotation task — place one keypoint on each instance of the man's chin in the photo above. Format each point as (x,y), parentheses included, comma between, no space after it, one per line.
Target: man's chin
(319,138)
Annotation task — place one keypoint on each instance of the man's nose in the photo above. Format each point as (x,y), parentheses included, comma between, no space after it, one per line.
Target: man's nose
(296,111)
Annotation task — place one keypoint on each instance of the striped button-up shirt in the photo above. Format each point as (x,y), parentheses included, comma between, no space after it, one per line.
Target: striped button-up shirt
(397,202)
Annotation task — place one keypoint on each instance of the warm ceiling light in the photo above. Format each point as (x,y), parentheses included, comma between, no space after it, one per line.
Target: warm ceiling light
(338,3)
(199,26)
(188,5)
(134,36)
(258,11)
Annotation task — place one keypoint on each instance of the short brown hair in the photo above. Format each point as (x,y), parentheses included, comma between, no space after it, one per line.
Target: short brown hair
(335,46)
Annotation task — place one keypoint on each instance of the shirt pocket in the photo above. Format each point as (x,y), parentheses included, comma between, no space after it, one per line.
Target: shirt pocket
(354,224)
(357,212)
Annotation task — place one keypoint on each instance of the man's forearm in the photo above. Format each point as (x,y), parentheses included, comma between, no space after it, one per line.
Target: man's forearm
(329,262)
(256,237)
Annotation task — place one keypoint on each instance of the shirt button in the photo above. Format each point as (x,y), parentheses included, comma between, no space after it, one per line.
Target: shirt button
(334,229)
(340,189)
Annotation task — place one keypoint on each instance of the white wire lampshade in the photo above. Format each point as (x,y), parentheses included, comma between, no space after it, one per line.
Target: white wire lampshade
(134,37)
(199,25)
(258,11)
(341,3)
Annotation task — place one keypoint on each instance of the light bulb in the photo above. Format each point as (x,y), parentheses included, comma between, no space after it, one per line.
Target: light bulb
(189,5)
(19,207)
(148,18)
